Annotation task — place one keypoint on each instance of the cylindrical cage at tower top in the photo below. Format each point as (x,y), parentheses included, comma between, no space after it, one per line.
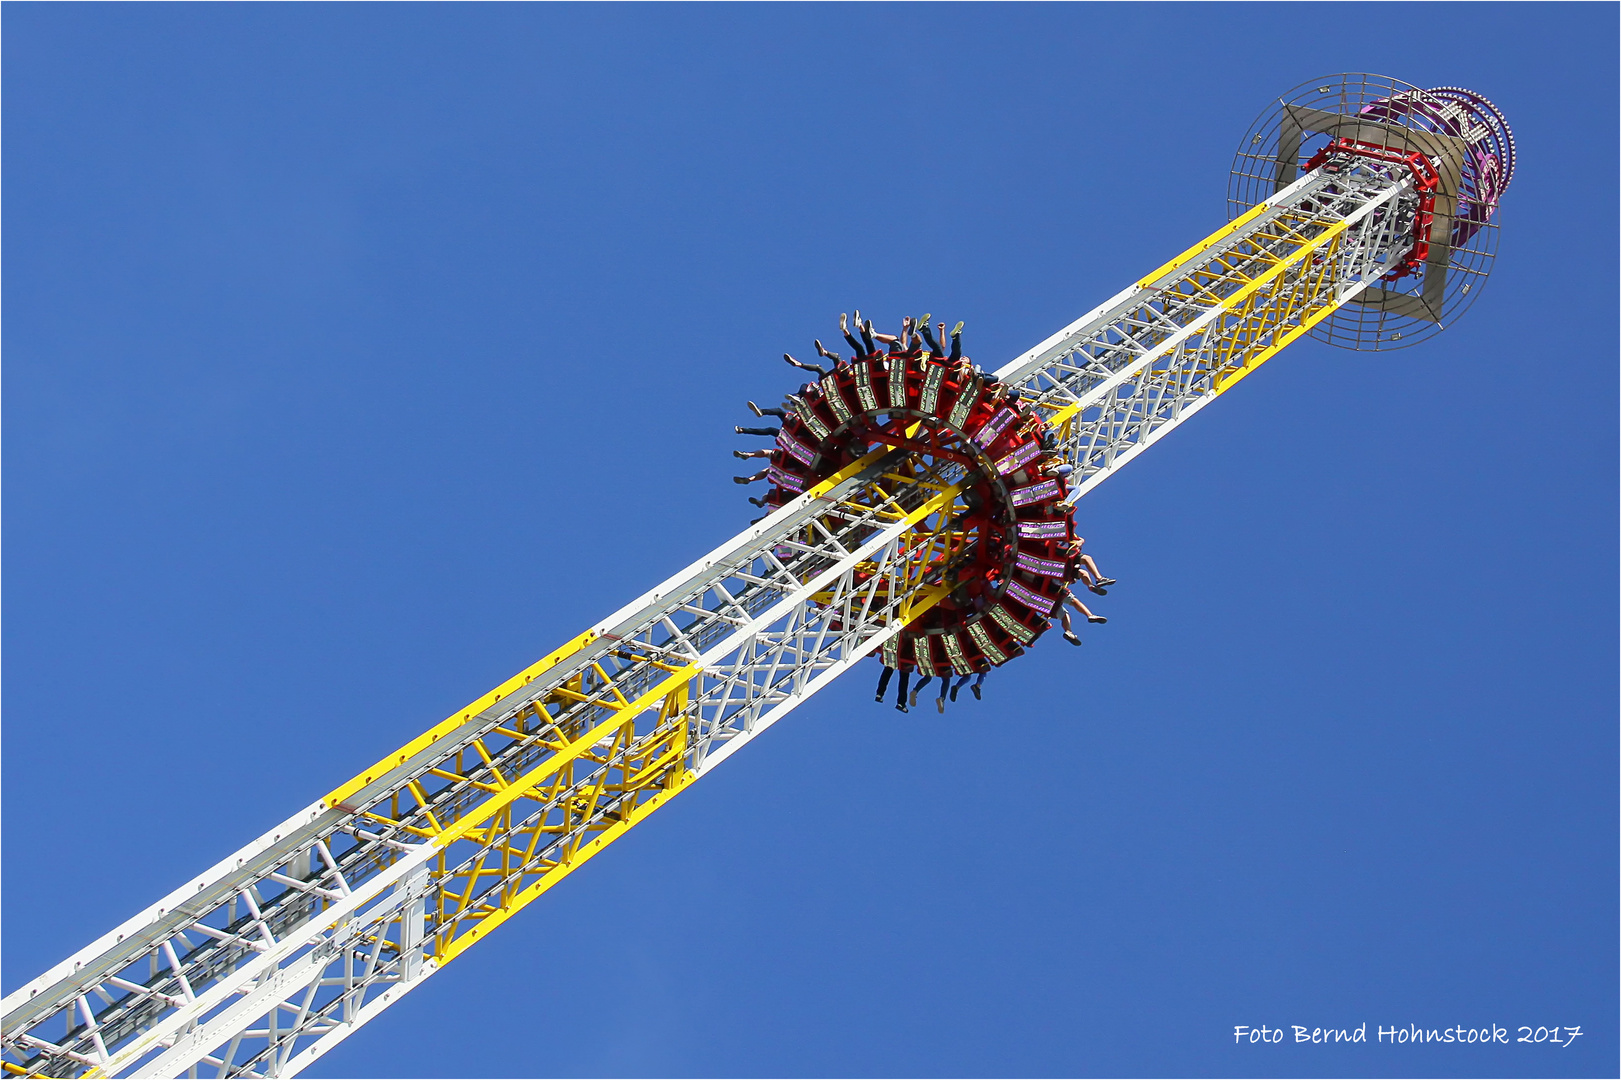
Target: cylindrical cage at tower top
(1003,549)
(1457,146)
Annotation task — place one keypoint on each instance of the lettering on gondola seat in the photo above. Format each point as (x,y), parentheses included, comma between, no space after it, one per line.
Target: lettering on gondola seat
(835,400)
(994,427)
(982,638)
(1042,605)
(924,654)
(1018,457)
(966,399)
(1004,618)
(786,480)
(929,400)
(1052,529)
(807,414)
(796,449)
(897,382)
(953,644)
(1034,493)
(869,400)
(889,652)
(1044,567)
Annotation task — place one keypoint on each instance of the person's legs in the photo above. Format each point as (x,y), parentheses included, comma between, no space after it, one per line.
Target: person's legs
(1089,581)
(900,696)
(956,344)
(918,689)
(866,336)
(757,411)
(1069,634)
(771,432)
(844,328)
(979,682)
(750,479)
(1074,601)
(934,348)
(959,685)
(1097,575)
(818,368)
(746,454)
(855,346)
(883,683)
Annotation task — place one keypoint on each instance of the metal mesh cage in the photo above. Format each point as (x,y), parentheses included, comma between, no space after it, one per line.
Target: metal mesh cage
(1450,125)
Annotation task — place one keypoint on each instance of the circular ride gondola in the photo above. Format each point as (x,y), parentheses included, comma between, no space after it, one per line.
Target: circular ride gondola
(1002,549)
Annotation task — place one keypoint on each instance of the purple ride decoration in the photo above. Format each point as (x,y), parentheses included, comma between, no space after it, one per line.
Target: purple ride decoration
(1044,567)
(796,449)
(1032,600)
(1017,457)
(1033,493)
(786,480)
(1489,165)
(1044,530)
(993,428)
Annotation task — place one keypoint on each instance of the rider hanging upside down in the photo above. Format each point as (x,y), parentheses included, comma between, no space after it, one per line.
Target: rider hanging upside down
(1016,554)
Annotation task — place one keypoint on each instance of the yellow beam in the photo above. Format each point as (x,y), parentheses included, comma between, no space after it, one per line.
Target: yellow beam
(1203,245)
(339,794)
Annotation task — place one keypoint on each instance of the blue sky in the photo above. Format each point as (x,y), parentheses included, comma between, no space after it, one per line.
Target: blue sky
(355,356)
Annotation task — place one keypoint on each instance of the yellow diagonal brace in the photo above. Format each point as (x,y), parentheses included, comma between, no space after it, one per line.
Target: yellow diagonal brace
(526,783)
(1228,381)
(342,792)
(460,943)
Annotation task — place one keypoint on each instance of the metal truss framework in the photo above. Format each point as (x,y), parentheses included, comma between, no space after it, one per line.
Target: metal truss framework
(1121,377)
(283,949)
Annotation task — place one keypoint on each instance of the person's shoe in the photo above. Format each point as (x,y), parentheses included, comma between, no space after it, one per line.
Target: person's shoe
(740,479)
(879,699)
(940,704)
(740,454)
(953,693)
(791,360)
(1099,589)
(1107,581)
(956,330)
(1099,619)
(738,429)
(1070,637)
(975,689)
(755,409)
(901,706)
(913,699)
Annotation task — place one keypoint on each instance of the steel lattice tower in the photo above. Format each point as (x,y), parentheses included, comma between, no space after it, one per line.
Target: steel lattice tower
(1363,214)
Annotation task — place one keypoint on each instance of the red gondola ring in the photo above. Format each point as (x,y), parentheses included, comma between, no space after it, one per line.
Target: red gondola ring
(1013,574)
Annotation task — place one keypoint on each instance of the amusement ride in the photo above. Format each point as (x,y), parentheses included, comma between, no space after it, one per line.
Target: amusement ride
(919,508)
